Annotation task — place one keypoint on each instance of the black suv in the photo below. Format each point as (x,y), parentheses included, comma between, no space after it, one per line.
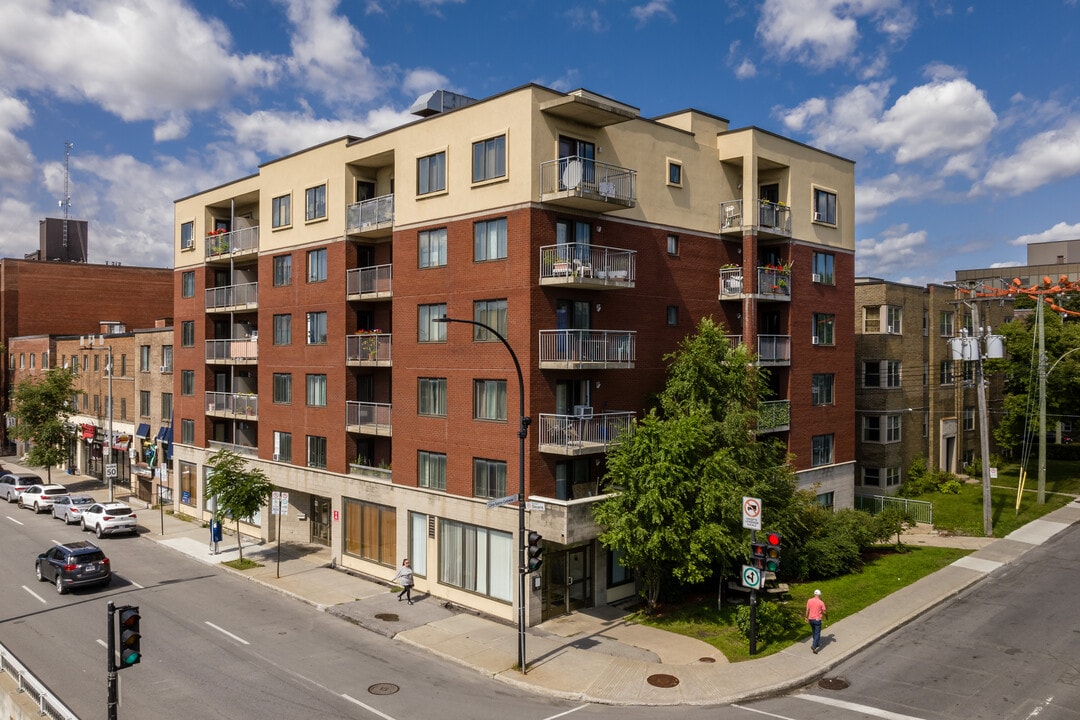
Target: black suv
(73,564)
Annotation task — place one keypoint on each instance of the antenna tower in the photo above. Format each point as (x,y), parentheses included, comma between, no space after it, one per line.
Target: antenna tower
(66,202)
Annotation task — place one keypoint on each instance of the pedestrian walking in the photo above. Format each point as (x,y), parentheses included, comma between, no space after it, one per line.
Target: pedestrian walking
(815,613)
(405,574)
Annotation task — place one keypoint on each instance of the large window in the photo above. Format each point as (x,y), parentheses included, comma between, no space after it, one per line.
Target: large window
(187,284)
(189,490)
(431,470)
(821,389)
(945,373)
(431,396)
(489,399)
(283,329)
(187,431)
(427,329)
(144,358)
(476,559)
(316,390)
(187,333)
(822,268)
(187,382)
(187,235)
(315,203)
(945,324)
(489,478)
(316,328)
(282,446)
(823,328)
(493,314)
(316,451)
(969,418)
(824,206)
(166,405)
(371,531)
(821,450)
(431,173)
(489,239)
(489,159)
(432,250)
(282,270)
(282,388)
(871,319)
(881,428)
(316,265)
(144,403)
(893,319)
(281,211)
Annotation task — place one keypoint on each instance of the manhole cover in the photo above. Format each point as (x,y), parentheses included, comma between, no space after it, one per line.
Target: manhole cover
(836,683)
(389,617)
(383,689)
(663,681)
(706,659)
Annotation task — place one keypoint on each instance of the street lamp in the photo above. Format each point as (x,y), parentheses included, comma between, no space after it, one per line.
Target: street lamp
(523,431)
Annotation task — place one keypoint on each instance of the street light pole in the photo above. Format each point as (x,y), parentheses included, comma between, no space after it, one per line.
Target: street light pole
(109,438)
(523,431)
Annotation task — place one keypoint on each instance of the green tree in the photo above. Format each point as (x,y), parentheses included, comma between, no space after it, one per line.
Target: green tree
(240,491)
(41,407)
(679,479)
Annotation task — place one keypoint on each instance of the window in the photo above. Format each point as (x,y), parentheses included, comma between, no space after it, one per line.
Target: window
(432,250)
(189,491)
(431,470)
(945,324)
(871,373)
(493,314)
(427,329)
(282,270)
(892,476)
(45,361)
(871,429)
(824,206)
(489,478)
(316,265)
(969,418)
(674,173)
(281,210)
(821,450)
(431,173)
(431,396)
(893,317)
(187,431)
(316,390)
(822,268)
(33,360)
(144,403)
(187,382)
(892,428)
(872,319)
(187,333)
(187,284)
(881,428)
(166,358)
(926,323)
(892,373)
(370,531)
(477,559)
(821,389)
(282,446)
(282,388)
(187,235)
(166,405)
(419,532)
(315,203)
(618,573)
(316,451)
(144,358)
(123,408)
(672,244)
(945,373)
(489,159)
(283,329)
(672,315)
(489,400)
(489,239)
(823,328)
(871,477)
(316,328)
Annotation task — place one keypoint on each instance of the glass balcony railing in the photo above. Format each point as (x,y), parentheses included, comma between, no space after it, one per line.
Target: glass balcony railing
(581,349)
(368,418)
(368,215)
(232,297)
(225,244)
(245,405)
(373,349)
(583,433)
(369,283)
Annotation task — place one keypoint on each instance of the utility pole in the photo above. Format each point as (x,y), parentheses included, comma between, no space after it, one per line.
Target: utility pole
(1040,325)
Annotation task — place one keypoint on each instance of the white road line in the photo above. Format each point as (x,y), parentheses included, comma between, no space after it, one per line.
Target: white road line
(564,714)
(762,712)
(43,600)
(223,631)
(856,707)
(14,520)
(367,707)
(141,587)
(102,643)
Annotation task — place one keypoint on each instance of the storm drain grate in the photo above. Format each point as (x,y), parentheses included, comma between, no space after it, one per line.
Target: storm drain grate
(707,660)
(388,617)
(663,681)
(383,689)
(834,683)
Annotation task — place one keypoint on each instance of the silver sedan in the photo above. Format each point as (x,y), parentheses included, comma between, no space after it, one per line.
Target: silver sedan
(69,508)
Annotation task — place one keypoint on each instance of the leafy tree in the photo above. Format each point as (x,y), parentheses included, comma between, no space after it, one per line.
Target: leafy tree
(42,407)
(679,480)
(240,491)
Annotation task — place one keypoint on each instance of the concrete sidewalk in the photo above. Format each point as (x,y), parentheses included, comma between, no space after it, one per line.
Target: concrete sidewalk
(593,655)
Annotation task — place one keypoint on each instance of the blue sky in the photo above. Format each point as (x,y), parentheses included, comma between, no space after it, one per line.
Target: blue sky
(962,117)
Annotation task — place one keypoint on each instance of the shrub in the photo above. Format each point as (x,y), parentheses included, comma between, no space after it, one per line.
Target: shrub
(832,555)
(774,621)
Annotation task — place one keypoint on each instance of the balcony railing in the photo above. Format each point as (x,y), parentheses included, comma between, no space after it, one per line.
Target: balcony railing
(774,416)
(772,283)
(772,218)
(248,450)
(369,349)
(233,297)
(370,216)
(580,434)
(371,473)
(734,340)
(232,351)
(774,349)
(368,418)
(225,404)
(588,265)
(587,349)
(369,283)
(587,184)
(244,240)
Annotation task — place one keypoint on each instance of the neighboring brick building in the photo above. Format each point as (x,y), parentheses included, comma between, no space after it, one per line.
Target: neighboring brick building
(592,238)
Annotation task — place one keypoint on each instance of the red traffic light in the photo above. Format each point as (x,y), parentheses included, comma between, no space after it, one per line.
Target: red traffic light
(773,539)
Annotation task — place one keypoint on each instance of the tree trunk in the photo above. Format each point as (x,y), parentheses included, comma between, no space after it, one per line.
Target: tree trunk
(239,543)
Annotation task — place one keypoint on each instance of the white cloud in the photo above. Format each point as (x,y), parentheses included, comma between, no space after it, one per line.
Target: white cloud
(586,18)
(173,127)
(423,80)
(1044,158)
(745,70)
(16,157)
(653,8)
(18,229)
(1060,231)
(281,133)
(898,248)
(872,196)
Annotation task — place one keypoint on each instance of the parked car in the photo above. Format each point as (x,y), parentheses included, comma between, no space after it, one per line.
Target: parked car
(109,518)
(41,497)
(69,507)
(73,564)
(11,484)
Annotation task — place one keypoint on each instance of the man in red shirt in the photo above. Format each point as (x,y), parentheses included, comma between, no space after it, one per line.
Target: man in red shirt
(815,613)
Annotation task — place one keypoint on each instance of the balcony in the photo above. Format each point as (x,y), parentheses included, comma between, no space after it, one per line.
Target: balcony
(367,418)
(773,219)
(238,448)
(233,298)
(582,434)
(585,184)
(368,349)
(371,473)
(232,352)
(369,283)
(371,220)
(587,349)
(223,247)
(774,416)
(773,283)
(233,405)
(588,266)
(774,350)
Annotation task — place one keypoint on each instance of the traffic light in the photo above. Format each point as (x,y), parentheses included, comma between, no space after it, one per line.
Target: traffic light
(758,554)
(535,551)
(772,552)
(130,637)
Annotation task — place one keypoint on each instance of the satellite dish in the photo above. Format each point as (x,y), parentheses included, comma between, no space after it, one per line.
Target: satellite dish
(571,176)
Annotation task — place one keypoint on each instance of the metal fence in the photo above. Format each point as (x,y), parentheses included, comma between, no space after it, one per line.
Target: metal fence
(921,510)
(48,704)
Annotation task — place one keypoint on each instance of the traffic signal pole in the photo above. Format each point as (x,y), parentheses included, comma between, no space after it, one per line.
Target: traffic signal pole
(753,605)
(114,694)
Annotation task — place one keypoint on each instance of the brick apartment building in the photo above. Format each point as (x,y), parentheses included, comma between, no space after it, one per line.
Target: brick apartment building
(592,238)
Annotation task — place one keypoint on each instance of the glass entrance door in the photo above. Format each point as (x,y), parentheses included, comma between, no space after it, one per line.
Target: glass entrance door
(567,581)
(320,520)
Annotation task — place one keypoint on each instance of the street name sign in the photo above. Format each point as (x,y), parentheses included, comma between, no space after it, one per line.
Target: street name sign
(496,502)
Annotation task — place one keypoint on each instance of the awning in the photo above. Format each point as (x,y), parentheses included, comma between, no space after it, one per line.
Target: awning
(143,430)
(164,434)
(88,431)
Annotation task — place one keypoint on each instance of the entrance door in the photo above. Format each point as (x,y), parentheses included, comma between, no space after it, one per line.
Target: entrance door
(319,519)
(567,581)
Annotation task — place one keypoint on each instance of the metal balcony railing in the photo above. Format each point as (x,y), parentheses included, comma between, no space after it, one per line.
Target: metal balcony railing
(374,282)
(368,417)
(369,213)
(772,218)
(580,434)
(589,264)
(233,296)
(231,243)
(239,449)
(230,351)
(572,349)
(585,177)
(244,405)
(369,348)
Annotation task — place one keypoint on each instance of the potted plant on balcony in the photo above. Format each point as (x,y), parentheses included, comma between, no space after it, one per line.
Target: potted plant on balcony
(217,241)
(369,343)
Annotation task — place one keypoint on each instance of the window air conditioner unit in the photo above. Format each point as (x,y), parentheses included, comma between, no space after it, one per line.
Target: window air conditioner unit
(583,411)
(165,368)
(816,277)
(815,340)
(277,457)
(817,216)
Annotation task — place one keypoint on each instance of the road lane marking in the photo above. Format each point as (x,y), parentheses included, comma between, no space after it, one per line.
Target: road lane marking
(564,714)
(14,520)
(141,587)
(223,631)
(43,600)
(856,707)
(102,643)
(367,707)
(762,712)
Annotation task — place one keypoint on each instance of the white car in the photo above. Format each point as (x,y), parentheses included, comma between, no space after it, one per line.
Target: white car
(41,497)
(69,507)
(109,518)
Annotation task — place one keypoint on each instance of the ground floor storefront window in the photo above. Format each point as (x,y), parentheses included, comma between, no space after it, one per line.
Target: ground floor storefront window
(371,531)
(477,559)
